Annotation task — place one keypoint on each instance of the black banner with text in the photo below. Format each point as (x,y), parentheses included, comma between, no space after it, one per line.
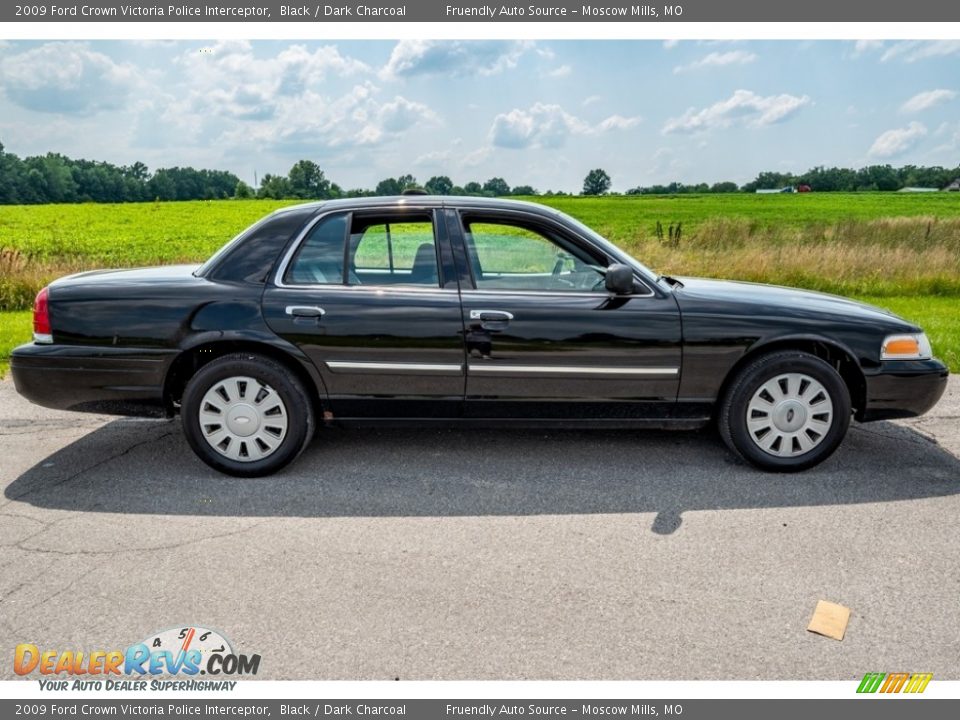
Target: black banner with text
(442,11)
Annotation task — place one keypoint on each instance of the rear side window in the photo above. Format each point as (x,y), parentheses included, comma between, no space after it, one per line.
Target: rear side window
(319,261)
(401,252)
(378,250)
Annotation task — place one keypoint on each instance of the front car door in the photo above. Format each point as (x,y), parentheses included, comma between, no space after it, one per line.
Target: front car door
(545,339)
(371,296)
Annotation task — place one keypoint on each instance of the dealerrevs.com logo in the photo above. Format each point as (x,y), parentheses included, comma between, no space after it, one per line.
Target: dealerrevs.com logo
(887,683)
(185,652)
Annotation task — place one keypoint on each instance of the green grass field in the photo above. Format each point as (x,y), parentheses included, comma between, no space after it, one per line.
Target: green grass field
(898,250)
(16,328)
(618,217)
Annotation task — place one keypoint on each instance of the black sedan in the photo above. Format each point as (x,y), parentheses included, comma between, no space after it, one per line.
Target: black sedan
(418,309)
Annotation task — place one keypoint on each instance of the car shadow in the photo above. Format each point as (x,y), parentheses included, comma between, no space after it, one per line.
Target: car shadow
(147,468)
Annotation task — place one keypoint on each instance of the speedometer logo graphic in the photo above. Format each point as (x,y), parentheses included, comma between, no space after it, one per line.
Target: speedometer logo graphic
(180,640)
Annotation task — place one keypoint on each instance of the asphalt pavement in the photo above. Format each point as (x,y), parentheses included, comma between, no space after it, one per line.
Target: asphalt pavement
(485,554)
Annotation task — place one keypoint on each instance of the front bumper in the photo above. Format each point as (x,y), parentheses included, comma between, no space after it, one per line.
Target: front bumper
(113,381)
(903,388)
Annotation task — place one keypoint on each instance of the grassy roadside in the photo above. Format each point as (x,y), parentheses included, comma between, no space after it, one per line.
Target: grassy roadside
(16,328)
(939,316)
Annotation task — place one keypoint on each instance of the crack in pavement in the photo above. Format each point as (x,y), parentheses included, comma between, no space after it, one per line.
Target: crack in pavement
(897,436)
(58,432)
(23,517)
(49,486)
(157,548)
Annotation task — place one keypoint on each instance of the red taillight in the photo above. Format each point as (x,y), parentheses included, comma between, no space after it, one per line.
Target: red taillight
(41,318)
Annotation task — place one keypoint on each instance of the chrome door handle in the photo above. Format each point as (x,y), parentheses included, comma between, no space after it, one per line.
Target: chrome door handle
(491,315)
(305,311)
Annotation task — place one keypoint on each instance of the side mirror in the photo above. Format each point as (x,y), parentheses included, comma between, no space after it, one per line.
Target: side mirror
(619,280)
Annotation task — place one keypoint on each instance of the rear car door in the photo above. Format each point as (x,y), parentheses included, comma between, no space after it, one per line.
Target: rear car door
(545,339)
(371,296)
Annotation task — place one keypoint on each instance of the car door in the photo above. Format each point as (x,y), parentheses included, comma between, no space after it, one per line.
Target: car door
(371,296)
(545,339)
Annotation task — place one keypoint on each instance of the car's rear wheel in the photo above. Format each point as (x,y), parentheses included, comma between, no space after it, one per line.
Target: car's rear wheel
(785,411)
(246,415)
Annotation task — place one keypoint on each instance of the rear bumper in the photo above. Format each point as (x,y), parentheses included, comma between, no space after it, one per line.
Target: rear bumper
(92,379)
(903,388)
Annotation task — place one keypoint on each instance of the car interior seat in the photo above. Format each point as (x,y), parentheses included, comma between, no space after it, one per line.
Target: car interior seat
(424,270)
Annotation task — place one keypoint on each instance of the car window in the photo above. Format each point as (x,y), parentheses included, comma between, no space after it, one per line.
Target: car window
(384,252)
(319,260)
(513,257)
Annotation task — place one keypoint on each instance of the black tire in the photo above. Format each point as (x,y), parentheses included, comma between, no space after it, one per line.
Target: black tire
(296,404)
(732,420)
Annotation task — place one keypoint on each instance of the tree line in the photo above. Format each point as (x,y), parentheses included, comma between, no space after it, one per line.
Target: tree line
(56,178)
(823,179)
(307,181)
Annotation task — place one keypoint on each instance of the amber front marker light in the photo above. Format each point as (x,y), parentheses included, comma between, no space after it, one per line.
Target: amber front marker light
(906,347)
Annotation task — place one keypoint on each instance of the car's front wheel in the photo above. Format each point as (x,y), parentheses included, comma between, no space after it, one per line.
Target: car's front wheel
(246,415)
(785,411)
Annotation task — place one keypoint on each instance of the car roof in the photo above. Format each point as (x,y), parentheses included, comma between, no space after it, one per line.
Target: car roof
(398,201)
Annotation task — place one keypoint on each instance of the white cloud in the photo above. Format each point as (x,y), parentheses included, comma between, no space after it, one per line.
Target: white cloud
(560,72)
(232,82)
(587,101)
(457,58)
(926,100)
(232,98)
(476,158)
(898,141)
(548,126)
(66,77)
(450,160)
(718,59)
(862,47)
(913,50)
(401,114)
(952,136)
(313,121)
(665,165)
(618,122)
(670,44)
(743,107)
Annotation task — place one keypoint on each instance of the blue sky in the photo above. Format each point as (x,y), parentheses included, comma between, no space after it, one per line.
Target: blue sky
(534,112)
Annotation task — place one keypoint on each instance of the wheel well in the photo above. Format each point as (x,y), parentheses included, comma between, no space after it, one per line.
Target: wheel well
(190,361)
(839,359)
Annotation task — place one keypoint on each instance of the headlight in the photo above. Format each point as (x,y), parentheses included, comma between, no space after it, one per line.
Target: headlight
(906,347)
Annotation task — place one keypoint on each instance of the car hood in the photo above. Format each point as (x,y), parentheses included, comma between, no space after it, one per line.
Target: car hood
(758,299)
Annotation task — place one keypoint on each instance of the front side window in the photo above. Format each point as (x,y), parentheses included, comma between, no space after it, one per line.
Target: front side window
(514,257)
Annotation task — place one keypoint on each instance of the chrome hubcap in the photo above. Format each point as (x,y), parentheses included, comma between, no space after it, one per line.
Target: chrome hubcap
(243,419)
(789,415)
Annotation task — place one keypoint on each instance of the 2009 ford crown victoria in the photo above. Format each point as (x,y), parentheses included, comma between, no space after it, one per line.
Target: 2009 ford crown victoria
(463,310)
